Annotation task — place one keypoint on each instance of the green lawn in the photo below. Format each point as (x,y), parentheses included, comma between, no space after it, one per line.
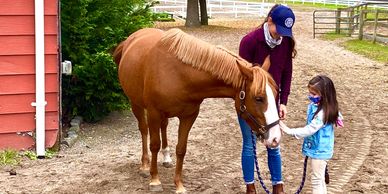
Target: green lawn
(376,51)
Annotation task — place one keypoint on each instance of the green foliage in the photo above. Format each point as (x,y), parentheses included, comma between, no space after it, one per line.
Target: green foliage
(30,155)
(376,51)
(318,5)
(164,17)
(50,153)
(9,157)
(300,3)
(333,36)
(90,29)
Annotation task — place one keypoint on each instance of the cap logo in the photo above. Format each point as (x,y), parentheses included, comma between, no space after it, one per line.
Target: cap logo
(289,22)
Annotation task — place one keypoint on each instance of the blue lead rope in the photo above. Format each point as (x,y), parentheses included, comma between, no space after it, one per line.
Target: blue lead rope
(261,179)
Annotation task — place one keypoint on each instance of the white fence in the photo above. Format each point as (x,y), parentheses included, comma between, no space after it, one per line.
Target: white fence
(230,8)
(217,8)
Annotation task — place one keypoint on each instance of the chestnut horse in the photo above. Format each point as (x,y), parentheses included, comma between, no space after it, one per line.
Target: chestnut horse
(169,73)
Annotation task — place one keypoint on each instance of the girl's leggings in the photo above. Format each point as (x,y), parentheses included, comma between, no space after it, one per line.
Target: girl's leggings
(318,176)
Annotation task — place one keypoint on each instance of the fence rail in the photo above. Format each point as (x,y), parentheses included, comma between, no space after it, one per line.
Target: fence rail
(377,21)
(217,7)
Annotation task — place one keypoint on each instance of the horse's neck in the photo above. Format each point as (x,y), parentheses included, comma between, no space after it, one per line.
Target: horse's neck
(214,88)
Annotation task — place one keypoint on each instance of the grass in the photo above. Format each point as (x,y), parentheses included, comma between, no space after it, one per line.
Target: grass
(316,5)
(13,157)
(163,17)
(9,157)
(30,155)
(372,15)
(376,51)
(333,36)
(300,4)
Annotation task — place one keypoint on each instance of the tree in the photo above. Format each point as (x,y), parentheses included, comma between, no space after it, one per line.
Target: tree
(192,17)
(202,5)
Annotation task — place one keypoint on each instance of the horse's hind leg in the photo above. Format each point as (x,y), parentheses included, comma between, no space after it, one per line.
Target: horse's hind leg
(154,122)
(167,162)
(142,123)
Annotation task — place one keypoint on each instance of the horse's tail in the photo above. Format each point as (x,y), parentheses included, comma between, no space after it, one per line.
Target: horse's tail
(118,52)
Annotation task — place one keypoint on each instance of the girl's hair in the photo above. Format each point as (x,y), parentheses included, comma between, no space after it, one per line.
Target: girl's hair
(292,46)
(328,102)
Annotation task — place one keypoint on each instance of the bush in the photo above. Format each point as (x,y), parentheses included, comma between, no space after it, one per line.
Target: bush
(90,29)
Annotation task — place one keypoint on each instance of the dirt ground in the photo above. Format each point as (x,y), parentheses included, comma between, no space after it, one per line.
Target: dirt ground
(106,157)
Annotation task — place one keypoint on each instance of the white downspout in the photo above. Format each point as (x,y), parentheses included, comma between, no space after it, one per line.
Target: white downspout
(40,78)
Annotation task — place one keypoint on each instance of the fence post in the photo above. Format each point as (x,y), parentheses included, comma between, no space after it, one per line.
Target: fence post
(360,30)
(351,22)
(314,24)
(376,20)
(358,16)
(338,21)
(234,9)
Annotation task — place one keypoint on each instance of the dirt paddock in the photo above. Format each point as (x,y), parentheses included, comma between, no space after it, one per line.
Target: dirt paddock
(106,157)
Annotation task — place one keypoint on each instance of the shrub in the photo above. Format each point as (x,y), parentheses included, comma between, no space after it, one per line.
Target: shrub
(90,29)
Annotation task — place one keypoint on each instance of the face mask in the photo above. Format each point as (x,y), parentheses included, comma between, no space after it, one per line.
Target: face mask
(313,99)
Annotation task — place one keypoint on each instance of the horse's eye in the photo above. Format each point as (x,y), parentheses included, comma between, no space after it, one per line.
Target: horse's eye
(259,99)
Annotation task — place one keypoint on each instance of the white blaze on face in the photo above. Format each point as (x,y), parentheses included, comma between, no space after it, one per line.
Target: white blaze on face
(271,115)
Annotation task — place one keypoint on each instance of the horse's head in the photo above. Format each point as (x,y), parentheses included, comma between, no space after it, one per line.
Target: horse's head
(256,104)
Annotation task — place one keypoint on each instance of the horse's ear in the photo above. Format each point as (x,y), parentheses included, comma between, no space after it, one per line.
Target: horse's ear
(245,70)
(266,64)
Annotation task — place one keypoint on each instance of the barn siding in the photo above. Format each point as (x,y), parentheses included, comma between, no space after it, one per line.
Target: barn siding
(17,73)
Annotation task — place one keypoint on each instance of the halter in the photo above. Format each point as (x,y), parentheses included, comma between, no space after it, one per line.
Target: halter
(262,129)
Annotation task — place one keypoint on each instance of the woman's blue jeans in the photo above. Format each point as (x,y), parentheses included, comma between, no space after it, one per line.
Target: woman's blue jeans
(248,160)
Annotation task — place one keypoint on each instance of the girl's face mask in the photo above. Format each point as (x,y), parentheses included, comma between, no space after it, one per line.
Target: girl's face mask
(314,99)
(314,96)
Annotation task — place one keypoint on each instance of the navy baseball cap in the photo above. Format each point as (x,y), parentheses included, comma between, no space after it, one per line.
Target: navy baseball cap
(284,19)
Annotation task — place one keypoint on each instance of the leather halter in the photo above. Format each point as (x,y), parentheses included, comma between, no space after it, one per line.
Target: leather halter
(262,130)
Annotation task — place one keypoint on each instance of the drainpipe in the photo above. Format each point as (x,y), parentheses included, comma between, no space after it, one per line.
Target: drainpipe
(39,79)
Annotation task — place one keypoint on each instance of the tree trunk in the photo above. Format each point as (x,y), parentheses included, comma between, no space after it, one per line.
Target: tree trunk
(204,19)
(192,17)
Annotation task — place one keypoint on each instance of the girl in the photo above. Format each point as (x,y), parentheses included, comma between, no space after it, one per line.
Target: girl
(273,38)
(318,134)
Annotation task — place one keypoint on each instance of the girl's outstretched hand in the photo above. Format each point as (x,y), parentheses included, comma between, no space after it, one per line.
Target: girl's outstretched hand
(284,128)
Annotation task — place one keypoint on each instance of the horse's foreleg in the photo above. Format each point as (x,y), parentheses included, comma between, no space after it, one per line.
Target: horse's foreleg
(145,160)
(167,162)
(154,123)
(185,125)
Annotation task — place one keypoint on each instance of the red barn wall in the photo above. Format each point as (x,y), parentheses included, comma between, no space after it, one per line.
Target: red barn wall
(17,73)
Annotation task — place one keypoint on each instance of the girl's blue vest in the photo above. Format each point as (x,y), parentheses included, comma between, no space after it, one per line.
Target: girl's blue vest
(320,145)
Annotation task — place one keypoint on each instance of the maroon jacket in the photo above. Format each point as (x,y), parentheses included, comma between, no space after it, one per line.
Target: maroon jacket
(254,49)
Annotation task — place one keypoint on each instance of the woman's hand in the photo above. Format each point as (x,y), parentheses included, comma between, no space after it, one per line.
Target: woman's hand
(282,111)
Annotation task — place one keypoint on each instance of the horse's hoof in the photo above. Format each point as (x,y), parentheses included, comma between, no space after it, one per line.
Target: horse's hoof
(167,164)
(144,173)
(155,188)
(181,192)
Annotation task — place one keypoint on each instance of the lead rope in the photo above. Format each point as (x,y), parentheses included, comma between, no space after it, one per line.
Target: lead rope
(261,179)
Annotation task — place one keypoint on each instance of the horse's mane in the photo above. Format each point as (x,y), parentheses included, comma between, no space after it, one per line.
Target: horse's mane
(216,60)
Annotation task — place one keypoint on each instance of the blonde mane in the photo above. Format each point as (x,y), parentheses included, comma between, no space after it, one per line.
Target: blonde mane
(216,60)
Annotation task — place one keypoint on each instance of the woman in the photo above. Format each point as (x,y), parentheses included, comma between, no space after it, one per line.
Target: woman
(273,38)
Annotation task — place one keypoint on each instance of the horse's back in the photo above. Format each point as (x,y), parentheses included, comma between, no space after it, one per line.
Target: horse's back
(132,66)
